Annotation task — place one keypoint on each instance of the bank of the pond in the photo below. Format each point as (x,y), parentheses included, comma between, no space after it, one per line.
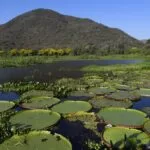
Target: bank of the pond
(118,67)
(17,61)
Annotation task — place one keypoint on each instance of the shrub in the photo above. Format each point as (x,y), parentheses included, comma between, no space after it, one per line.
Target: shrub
(13,52)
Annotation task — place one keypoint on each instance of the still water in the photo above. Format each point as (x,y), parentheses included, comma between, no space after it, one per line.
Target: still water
(53,71)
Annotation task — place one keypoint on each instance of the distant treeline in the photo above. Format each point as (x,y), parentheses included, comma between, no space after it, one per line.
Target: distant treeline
(41,52)
(75,52)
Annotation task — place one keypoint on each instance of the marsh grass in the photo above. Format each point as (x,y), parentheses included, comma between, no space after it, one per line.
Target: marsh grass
(129,67)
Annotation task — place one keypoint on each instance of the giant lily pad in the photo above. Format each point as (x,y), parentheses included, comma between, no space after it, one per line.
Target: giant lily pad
(145,92)
(40,102)
(80,95)
(147,126)
(123,117)
(116,135)
(101,102)
(124,95)
(101,90)
(37,140)
(35,119)
(71,107)
(125,88)
(6,105)
(36,93)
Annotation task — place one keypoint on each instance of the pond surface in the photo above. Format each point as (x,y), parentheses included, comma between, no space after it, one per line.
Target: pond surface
(53,71)
(9,96)
(144,102)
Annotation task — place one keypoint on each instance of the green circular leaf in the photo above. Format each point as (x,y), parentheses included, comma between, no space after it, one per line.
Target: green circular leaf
(40,102)
(123,117)
(119,137)
(71,107)
(35,119)
(37,140)
(6,105)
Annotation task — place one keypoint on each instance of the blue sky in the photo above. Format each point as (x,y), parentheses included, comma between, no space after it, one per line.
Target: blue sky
(132,16)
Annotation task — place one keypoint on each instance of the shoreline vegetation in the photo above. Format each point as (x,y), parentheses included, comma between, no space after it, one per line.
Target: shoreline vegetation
(27,57)
(18,61)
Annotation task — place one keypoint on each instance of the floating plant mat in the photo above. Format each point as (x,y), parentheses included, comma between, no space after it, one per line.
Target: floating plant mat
(6,105)
(89,120)
(72,107)
(117,136)
(147,127)
(101,102)
(101,90)
(40,102)
(144,92)
(125,95)
(82,116)
(80,95)
(36,93)
(123,117)
(35,119)
(37,140)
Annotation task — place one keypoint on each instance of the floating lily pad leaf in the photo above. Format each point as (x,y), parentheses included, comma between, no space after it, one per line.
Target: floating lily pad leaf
(124,95)
(35,119)
(101,102)
(80,95)
(101,90)
(6,105)
(147,127)
(37,140)
(125,88)
(36,93)
(123,117)
(146,110)
(72,107)
(40,102)
(144,92)
(117,136)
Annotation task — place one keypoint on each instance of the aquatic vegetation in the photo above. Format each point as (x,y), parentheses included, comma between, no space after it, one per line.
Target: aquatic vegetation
(21,87)
(34,119)
(82,116)
(119,137)
(124,95)
(125,88)
(71,107)
(40,140)
(36,93)
(101,102)
(80,95)
(145,92)
(122,117)
(147,127)
(62,88)
(41,102)
(129,67)
(92,145)
(6,105)
(101,90)
(109,91)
